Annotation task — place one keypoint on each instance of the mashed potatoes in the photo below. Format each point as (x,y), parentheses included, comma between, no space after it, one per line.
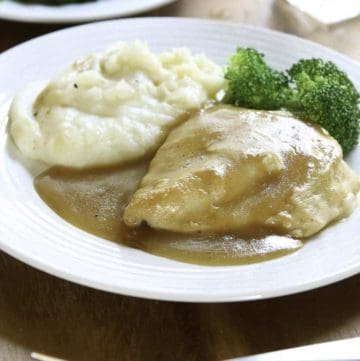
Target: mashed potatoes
(112,107)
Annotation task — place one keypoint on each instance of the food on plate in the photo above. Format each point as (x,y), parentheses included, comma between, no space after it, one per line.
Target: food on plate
(112,107)
(312,88)
(94,200)
(252,83)
(171,154)
(256,173)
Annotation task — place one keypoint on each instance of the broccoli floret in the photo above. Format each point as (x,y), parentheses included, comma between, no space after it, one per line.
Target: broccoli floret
(312,88)
(332,108)
(325,95)
(309,73)
(252,83)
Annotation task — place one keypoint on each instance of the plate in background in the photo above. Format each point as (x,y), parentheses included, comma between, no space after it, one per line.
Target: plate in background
(76,13)
(33,233)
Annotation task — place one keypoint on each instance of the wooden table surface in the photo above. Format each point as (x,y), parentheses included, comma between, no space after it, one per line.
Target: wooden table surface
(41,313)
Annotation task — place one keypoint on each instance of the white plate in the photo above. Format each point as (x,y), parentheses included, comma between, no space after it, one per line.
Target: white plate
(31,232)
(76,13)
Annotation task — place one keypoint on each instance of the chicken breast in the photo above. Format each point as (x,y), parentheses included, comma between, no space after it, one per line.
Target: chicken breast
(236,170)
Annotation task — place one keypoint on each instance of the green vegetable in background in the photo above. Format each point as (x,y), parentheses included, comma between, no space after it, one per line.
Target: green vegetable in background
(312,88)
(53,2)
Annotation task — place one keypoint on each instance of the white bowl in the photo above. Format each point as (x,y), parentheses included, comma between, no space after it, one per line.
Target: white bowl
(31,232)
(76,13)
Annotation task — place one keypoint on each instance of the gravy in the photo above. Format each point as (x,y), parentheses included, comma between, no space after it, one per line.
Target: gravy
(94,200)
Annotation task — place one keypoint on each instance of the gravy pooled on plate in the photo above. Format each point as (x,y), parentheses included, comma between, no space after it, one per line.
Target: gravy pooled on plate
(94,200)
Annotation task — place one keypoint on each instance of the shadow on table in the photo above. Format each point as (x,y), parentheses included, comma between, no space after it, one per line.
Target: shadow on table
(41,313)
(13,33)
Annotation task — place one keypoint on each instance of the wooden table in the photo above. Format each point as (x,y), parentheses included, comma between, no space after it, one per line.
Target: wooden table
(41,313)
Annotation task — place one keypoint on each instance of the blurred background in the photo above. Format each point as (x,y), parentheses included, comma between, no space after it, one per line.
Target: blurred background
(334,23)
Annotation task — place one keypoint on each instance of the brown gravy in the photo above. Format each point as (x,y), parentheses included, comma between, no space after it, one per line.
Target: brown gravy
(94,200)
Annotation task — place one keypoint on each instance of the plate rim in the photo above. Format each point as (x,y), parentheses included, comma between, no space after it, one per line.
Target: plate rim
(56,19)
(234,24)
(166,294)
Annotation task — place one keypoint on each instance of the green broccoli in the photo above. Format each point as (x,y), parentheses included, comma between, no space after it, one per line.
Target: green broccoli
(325,95)
(309,73)
(53,2)
(332,108)
(252,83)
(314,89)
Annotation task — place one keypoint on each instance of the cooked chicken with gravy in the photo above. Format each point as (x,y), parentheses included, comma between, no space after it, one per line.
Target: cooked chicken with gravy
(229,170)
